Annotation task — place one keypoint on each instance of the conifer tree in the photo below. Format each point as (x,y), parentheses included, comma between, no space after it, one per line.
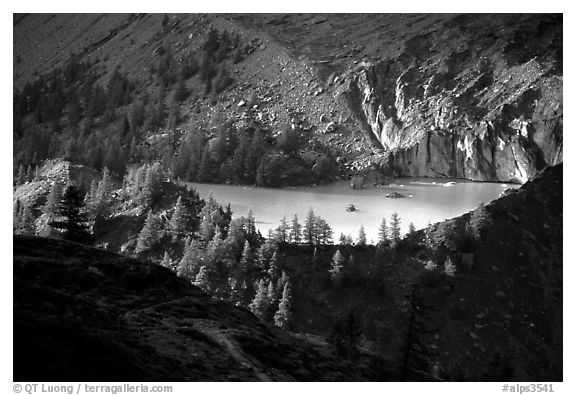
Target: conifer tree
(395,229)
(309,227)
(206,166)
(71,217)
(273,270)
(265,253)
(191,260)
(251,224)
(52,199)
(29,173)
(295,231)
(202,280)
(361,237)
(383,232)
(260,303)
(26,225)
(272,299)
(282,231)
(411,228)
(337,268)
(282,281)
(449,267)
(479,219)
(284,313)
(37,175)
(21,176)
(16,214)
(166,261)
(177,223)
(91,200)
(342,239)
(247,260)
(149,234)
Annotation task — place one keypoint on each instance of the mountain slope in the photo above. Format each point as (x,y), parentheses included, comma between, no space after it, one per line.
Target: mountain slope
(83,314)
(446,305)
(468,96)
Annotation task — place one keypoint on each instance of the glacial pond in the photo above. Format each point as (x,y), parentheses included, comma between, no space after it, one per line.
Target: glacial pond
(426,201)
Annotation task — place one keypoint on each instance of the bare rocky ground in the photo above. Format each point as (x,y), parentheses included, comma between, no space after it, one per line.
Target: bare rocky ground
(477,97)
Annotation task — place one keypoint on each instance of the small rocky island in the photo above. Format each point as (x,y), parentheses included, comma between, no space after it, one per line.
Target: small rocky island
(394,195)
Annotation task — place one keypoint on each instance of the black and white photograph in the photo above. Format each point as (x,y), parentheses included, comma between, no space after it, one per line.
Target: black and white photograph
(287,197)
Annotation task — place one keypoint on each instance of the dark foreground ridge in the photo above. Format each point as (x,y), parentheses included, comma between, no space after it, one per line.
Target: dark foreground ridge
(83,314)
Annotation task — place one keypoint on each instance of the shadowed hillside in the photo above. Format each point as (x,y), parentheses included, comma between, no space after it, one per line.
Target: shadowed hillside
(83,314)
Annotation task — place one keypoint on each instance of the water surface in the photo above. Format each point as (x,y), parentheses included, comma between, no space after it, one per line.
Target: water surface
(427,201)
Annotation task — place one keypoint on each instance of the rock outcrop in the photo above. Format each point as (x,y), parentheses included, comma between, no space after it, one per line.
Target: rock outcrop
(488,109)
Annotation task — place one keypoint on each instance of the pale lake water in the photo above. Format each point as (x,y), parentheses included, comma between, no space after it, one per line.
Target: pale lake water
(427,201)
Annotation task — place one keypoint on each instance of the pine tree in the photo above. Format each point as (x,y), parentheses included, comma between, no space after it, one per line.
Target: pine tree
(411,228)
(21,177)
(361,237)
(26,223)
(29,173)
(191,260)
(247,260)
(202,280)
(166,261)
(282,281)
(383,232)
(151,190)
(284,313)
(395,229)
(323,232)
(71,217)
(251,224)
(260,303)
(272,299)
(295,231)
(309,227)
(265,253)
(449,267)
(337,268)
(273,269)
(37,175)
(177,224)
(52,199)
(342,239)
(149,234)
(479,219)
(282,231)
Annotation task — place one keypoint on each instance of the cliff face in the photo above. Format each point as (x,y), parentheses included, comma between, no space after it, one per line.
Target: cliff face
(478,98)
(468,96)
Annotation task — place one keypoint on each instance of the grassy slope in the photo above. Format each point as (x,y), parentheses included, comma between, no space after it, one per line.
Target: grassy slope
(84,314)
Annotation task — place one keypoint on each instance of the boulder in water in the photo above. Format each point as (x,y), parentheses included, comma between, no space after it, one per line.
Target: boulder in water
(394,195)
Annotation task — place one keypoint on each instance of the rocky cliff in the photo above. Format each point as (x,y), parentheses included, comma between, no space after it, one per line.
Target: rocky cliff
(468,96)
(477,98)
